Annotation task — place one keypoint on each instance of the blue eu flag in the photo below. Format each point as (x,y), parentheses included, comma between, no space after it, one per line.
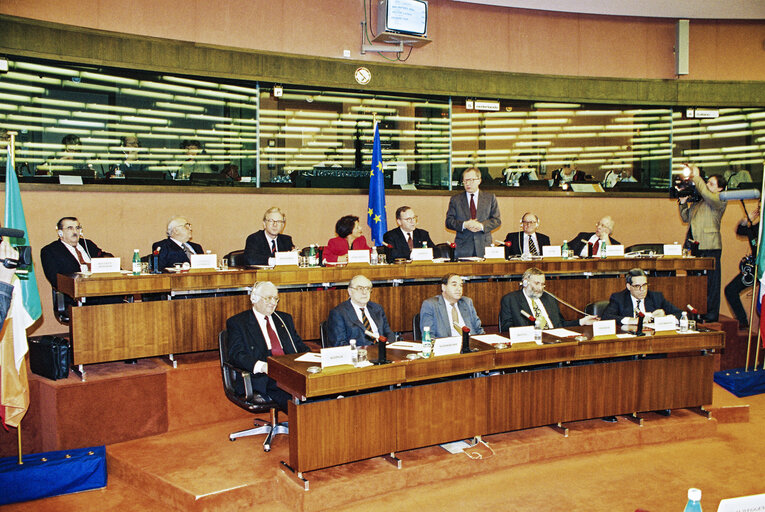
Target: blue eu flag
(376,212)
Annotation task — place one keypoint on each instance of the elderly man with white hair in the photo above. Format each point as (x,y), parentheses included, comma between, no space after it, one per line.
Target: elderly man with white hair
(258,333)
(177,247)
(601,237)
(358,318)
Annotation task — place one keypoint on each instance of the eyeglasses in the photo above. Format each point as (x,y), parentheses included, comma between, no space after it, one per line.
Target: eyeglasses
(528,222)
(363,289)
(643,286)
(73,228)
(471,180)
(409,219)
(270,221)
(274,300)
(187,225)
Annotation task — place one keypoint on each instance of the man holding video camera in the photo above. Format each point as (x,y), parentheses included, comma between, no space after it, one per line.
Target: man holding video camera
(704,218)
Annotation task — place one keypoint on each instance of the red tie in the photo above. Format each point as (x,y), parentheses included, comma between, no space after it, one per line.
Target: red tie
(82,261)
(472,207)
(409,241)
(595,247)
(276,347)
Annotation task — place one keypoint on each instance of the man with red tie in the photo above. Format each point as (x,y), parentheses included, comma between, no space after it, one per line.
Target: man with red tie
(601,237)
(71,253)
(473,215)
(258,333)
(407,235)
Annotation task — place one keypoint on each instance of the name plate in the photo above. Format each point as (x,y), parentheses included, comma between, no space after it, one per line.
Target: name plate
(521,334)
(614,250)
(664,323)
(105,265)
(358,256)
(421,254)
(742,504)
(494,252)
(447,346)
(335,356)
(551,251)
(673,250)
(286,258)
(604,328)
(204,260)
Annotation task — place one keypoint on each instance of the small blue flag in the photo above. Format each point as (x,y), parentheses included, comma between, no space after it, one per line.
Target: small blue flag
(376,215)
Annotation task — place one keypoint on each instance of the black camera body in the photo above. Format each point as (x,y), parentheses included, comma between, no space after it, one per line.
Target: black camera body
(684,188)
(25,252)
(746,266)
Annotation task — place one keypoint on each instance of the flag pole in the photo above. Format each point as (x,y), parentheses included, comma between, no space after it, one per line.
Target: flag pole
(18,436)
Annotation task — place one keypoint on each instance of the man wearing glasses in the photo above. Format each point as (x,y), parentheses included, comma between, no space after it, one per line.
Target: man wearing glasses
(358,318)
(407,236)
(601,237)
(527,241)
(265,243)
(625,305)
(177,247)
(69,254)
(473,215)
(258,333)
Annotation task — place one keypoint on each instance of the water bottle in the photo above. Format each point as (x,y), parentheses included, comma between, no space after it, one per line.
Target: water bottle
(136,262)
(603,250)
(538,330)
(313,255)
(354,352)
(564,249)
(427,343)
(684,322)
(694,500)
(373,256)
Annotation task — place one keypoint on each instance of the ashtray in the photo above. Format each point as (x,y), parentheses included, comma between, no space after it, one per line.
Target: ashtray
(500,346)
(581,338)
(313,369)
(412,357)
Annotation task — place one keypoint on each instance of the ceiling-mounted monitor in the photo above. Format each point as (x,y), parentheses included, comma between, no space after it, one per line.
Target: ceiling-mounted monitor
(403,17)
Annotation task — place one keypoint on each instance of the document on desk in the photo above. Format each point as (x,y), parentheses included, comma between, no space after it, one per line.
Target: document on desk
(309,357)
(492,339)
(405,345)
(561,333)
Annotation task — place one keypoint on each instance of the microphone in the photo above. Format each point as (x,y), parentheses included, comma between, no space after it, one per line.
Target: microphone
(692,309)
(743,195)
(12,233)
(500,243)
(372,335)
(452,252)
(639,331)
(465,340)
(529,317)
(566,303)
(381,349)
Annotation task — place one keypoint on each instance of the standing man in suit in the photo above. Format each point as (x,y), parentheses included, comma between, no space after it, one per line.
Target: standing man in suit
(601,236)
(407,236)
(258,333)
(69,254)
(352,319)
(704,218)
(533,300)
(624,306)
(177,247)
(447,313)
(265,243)
(473,215)
(527,241)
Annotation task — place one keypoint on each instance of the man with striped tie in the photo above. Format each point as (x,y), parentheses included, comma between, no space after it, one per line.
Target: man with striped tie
(358,318)
(528,240)
(177,247)
(625,306)
(265,243)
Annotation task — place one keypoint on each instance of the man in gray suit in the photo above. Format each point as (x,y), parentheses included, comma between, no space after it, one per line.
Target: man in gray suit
(445,314)
(473,215)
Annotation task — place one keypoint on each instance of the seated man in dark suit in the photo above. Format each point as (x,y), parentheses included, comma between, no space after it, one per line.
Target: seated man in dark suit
(527,241)
(177,247)
(533,300)
(407,236)
(71,253)
(623,306)
(447,313)
(354,318)
(601,236)
(258,333)
(265,243)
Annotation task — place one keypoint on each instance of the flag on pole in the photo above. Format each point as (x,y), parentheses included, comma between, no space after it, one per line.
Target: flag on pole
(24,311)
(376,217)
(761,275)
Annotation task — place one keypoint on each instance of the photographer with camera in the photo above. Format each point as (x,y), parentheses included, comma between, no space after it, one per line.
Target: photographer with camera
(749,227)
(704,218)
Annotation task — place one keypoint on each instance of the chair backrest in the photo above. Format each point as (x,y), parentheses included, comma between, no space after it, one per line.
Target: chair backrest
(236,259)
(656,248)
(59,307)
(596,308)
(228,378)
(416,327)
(442,250)
(324,331)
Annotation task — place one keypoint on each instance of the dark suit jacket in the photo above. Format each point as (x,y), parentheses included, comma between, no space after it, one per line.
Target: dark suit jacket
(400,249)
(257,249)
(620,305)
(576,244)
(170,253)
(56,259)
(343,324)
(246,345)
(516,249)
(434,314)
(512,304)
(487,213)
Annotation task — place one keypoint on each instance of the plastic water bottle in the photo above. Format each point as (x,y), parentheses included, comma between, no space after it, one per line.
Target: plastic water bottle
(313,255)
(684,322)
(354,352)
(603,250)
(373,256)
(136,263)
(564,250)
(694,500)
(538,330)
(427,343)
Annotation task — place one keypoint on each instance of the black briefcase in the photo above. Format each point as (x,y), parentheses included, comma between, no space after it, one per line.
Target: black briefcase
(49,356)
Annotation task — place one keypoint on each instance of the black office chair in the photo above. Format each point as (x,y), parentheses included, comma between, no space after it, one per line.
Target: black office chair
(596,308)
(324,331)
(59,307)
(656,248)
(443,250)
(416,330)
(250,401)
(236,259)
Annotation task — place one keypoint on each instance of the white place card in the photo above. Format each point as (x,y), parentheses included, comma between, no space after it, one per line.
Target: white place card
(742,504)
(604,328)
(494,253)
(421,254)
(104,265)
(521,334)
(358,256)
(492,339)
(447,346)
(664,323)
(673,250)
(69,180)
(286,258)
(551,251)
(614,250)
(412,346)
(204,261)
(335,356)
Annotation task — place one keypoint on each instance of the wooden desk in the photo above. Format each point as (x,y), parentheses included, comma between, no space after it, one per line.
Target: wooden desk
(200,302)
(400,406)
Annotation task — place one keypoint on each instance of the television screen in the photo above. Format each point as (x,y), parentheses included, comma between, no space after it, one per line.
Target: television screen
(403,16)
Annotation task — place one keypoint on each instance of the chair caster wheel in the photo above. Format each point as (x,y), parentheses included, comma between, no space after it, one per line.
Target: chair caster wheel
(232,440)
(267,448)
